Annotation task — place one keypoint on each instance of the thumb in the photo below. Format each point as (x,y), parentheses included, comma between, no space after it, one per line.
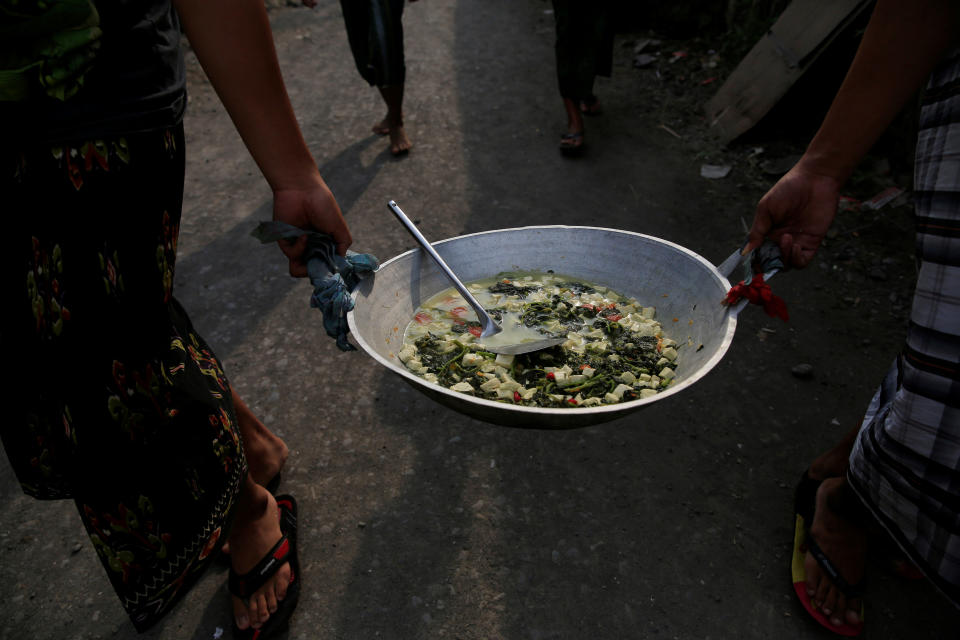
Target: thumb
(761,227)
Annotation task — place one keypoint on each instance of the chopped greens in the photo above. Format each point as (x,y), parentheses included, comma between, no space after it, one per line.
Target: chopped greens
(615,351)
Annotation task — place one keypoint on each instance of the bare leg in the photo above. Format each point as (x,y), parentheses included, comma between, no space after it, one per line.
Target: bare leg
(266,453)
(833,462)
(255,531)
(591,106)
(392,124)
(574,117)
(573,140)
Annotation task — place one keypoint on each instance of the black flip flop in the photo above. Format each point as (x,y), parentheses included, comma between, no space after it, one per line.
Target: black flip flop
(285,551)
(804,497)
(568,146)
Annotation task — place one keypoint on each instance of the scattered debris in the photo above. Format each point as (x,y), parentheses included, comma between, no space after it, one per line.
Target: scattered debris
(669,130)
(644,44)
(711,61)
(803,371)
(678,55)
(643,60)
(714,171)
(882,199)
(846,203)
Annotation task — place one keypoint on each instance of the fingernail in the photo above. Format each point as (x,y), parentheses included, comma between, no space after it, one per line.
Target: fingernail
(242,621)
(826,611)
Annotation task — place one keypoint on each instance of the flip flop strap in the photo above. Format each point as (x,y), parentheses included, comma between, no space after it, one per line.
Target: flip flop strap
(805,496)
(849,590)
(288,516)
(244,585)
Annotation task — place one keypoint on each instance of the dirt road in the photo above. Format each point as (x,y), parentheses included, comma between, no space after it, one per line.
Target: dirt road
(675,522)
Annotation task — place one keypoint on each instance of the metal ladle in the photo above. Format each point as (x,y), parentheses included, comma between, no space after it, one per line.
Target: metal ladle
(488,324)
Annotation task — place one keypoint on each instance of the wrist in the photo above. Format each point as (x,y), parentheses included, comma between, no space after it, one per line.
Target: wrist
(826,165)
(305,178)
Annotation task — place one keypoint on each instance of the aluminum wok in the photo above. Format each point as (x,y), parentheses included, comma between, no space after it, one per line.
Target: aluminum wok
(686,289)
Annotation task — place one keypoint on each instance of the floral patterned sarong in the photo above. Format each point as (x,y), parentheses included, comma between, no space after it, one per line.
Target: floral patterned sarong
(116,401)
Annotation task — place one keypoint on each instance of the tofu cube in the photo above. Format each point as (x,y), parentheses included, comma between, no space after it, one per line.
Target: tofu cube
(472,359)
(490,385)
(505,394)
(504,360)
(621,389)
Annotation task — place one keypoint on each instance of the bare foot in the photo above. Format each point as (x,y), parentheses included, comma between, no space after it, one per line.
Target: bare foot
(844,542)
(266,453)
(382,128)
(255,532)
(591,107)
(399,143)
(571,143)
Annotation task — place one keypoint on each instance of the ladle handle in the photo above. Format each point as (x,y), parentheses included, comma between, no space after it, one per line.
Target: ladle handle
(490,327)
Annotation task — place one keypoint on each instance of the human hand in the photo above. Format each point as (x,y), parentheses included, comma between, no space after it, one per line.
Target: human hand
(312,207)
(796,214)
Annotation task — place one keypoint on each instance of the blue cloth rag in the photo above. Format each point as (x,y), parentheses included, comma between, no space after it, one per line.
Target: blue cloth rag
(333,276)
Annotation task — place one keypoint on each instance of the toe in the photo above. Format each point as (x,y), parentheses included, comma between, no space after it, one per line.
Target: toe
(853,612)
(826,596)
(816,587)
(262,613)
(240,614)
(253,611)
(281,588)
(833,605)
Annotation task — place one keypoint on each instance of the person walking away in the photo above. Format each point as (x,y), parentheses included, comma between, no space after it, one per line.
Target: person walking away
(584,50)
(375,33)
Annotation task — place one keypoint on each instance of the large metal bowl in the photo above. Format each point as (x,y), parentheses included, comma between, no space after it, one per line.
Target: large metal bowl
(685,288)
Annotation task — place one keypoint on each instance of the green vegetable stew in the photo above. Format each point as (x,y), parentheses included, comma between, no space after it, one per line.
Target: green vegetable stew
(615,350)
